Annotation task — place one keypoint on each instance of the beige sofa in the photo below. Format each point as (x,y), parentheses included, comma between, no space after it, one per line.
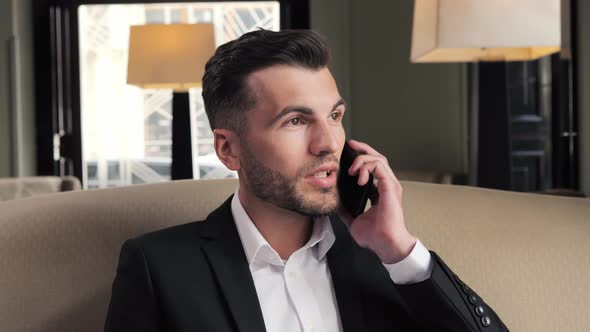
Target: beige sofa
(527,255)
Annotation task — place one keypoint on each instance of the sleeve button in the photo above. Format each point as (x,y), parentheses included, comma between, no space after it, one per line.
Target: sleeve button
(486,321)
(472,299)
(479,310)
(466,290)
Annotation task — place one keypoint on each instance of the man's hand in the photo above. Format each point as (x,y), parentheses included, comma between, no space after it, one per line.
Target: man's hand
(381,228)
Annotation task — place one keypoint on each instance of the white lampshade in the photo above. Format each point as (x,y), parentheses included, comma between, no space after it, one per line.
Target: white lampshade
(169,55)
(485,30)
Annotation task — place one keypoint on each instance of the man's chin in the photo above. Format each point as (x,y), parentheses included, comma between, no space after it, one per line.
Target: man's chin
(321,202)
(314,211)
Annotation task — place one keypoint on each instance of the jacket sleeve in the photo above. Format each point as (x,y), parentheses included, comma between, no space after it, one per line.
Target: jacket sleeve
(444,303)
(133,306)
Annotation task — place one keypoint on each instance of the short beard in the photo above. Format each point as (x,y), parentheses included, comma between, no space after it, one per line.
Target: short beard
(274,188)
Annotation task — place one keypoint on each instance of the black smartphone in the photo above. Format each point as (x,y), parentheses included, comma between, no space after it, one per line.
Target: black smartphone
(353,197)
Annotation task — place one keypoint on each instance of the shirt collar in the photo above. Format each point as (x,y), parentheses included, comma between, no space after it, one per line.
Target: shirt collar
(256,247)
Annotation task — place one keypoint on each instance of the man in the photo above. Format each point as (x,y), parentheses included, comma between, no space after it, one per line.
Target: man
(275,256)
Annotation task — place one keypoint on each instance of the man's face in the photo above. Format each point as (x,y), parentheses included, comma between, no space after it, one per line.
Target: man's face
(294,138)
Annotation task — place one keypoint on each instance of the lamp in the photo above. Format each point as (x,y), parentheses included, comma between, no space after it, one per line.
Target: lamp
(485,30)
(172,56)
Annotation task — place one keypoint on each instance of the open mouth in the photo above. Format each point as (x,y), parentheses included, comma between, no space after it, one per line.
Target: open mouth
(322,174)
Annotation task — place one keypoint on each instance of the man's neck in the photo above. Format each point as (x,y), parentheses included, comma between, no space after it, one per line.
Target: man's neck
(285,231)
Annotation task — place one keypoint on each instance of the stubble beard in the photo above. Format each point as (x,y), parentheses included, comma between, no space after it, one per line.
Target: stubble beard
(273,187)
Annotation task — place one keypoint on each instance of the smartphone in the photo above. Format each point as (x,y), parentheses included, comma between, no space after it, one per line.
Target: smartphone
(352,196)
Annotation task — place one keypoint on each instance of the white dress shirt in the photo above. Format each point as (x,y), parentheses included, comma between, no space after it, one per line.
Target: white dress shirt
(297,295)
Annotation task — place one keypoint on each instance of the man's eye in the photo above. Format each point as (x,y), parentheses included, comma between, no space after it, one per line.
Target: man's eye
(295,121)
(335,115)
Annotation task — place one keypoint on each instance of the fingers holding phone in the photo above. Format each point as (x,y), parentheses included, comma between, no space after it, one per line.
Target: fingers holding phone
(368,154)
(381,228)
(368,163)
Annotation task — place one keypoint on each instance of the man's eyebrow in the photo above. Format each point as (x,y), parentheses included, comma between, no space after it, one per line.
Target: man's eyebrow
(292,109)
(303,109)
(340,102)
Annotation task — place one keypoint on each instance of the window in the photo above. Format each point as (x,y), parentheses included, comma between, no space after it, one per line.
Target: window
(126,131)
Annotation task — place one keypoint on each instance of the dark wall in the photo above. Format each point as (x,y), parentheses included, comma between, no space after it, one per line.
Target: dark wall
(414,113)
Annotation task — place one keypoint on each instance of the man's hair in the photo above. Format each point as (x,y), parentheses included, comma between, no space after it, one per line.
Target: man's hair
(225,93)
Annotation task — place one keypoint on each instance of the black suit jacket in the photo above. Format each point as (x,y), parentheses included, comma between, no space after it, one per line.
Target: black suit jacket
(195,277)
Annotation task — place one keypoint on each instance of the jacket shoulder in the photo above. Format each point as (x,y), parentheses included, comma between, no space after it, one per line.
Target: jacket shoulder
(170,234)
(190,232)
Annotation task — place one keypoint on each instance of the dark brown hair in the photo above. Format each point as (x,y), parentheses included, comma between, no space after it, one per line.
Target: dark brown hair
(225,92)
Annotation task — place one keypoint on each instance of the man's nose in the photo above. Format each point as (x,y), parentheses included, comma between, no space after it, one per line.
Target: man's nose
(325,139)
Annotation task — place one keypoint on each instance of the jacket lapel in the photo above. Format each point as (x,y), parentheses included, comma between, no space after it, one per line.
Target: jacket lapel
(345,277)
(224,250)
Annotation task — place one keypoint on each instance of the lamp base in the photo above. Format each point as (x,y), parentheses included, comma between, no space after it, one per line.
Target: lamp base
(182,157)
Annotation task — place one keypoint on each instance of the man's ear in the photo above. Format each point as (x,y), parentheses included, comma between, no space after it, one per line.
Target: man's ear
(227,148)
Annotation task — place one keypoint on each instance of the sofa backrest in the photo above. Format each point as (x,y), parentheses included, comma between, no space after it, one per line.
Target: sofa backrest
(59,252)
(527,255)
